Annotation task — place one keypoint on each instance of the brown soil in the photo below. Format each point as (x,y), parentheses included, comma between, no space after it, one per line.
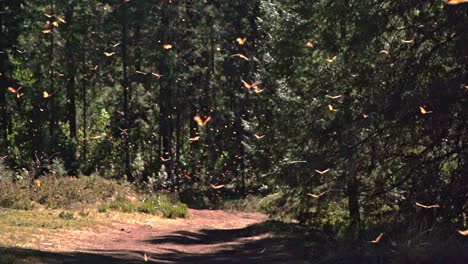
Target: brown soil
(208,236)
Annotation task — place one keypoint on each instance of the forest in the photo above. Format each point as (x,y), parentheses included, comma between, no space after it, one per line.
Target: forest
(344,121)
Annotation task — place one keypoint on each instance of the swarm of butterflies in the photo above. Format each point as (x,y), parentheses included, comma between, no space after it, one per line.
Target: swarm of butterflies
(54,21)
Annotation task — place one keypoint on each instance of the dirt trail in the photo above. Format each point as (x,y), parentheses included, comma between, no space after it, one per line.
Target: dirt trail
(208,236)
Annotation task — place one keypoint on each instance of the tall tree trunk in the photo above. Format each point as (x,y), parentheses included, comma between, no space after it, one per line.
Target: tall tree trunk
(51,105)
(126,91)
(3,84)
(352,182)
(71,72)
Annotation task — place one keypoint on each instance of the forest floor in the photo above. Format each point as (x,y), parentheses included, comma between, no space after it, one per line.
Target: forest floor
(207,236)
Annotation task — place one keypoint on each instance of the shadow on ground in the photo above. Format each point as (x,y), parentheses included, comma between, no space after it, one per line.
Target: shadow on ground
(252,244)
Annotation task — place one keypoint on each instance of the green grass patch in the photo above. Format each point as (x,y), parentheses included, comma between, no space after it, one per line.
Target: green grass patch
(60,192)
(39,219)
(154,205)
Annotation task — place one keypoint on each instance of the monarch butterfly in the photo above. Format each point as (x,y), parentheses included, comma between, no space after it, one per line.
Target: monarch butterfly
(455,2)
(331,108)
(167,46)
(216,187)
(257,90)
(157,75)
(242,56)
(463,232)
(109,54)
(258,136)
(316,196)
(424,111)
(145,257)
(384,52)
(196,138)
(250,86)
(241,41)
(47,31)
(333,96)
(330,60)
(13,90)
(200,121)
(39,183)
(427,206)
(408,41)
(322,172)
(309,44)
(61,20)
(378,238)
(46,94)
(163,159)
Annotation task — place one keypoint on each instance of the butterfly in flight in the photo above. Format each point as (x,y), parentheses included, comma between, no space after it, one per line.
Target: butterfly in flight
(455,2)
(365,116)
(427,206)
(322,172)
(309,44)
(463,232)
(164,160)
(331,108)
(109,54)
(216,187)
(316,196)
(196,138)
(330,60)
(384,52)
(377,239)
(167,46)
(258,136)
(424,111)
(14,90)
(39,183)
(61,19)
(46,94)
(200,121)
(333,96)
(123,131)
(409,41)
(250,86)
(241,41)
(242,56)
(157,75)
(296,161)
(257,90)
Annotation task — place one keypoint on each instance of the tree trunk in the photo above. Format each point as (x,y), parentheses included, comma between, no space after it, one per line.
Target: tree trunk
(71,73)
(126,93)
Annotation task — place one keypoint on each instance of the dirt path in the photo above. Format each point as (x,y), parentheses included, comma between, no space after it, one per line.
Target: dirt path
(206,237)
